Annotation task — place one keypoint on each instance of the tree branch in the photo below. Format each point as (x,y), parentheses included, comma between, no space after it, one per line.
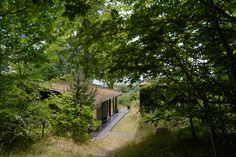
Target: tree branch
(12,13)
(213,7)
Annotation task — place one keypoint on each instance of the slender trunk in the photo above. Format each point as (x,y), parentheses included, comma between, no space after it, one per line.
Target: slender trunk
(200,92)
(192,126)
(190,114)
(218,14)
(1,148)
(212,141)
(43,128)
(213,132)
(223,132)
(230,56)
(227,93)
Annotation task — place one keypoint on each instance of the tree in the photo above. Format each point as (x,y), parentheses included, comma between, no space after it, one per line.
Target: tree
(186,45)
(27,30)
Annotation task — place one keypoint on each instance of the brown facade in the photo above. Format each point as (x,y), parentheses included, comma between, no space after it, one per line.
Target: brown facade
(106,110)
(105,97)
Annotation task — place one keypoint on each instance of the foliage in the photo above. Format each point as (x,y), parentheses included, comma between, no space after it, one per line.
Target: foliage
(15,132)
(18,121)
(128,98)
(82,90)
(130,94)
(189,48)
(41,120)
(71,120)
(28,31)
(126,88)
(27,28)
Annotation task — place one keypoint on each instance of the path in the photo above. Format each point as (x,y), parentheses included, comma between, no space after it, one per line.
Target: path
(122,133)
(110,125)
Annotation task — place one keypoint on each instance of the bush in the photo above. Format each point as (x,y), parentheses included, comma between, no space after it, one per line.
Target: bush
(96,125)
(73,120)
(15,135)
(128,98)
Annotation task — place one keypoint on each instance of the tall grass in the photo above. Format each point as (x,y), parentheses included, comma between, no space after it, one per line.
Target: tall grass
(165,143)
(51,147)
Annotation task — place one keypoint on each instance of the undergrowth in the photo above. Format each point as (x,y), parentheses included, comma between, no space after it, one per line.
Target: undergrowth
(164,143)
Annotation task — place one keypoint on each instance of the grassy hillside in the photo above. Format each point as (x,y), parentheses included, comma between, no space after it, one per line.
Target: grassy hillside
(164,143)
(121,134)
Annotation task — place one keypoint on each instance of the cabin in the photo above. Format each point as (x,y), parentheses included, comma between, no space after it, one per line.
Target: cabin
(105,105)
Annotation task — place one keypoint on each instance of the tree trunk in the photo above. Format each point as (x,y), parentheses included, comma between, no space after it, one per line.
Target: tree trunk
(230,56)
(43,128)
(192,126)
(222,127)
(212,132)
(189,77)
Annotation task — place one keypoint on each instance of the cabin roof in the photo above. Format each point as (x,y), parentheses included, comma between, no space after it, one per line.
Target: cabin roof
(103,93)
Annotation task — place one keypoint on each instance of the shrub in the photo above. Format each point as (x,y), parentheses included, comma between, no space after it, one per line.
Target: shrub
(128,98)
(73,120)
(15,135)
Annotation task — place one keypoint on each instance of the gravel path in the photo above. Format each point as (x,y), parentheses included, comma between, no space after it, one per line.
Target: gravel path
(117,137)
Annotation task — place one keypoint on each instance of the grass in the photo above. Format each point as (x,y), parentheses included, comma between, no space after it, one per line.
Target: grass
(52,147)
(144,142)
(62,147)
(130,139)
(128,123)
(165,143)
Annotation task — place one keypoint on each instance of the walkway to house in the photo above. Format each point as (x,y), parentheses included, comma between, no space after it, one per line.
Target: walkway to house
(110,124)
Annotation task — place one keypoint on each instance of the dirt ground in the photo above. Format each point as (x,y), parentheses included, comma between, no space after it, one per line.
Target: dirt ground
(124,132)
